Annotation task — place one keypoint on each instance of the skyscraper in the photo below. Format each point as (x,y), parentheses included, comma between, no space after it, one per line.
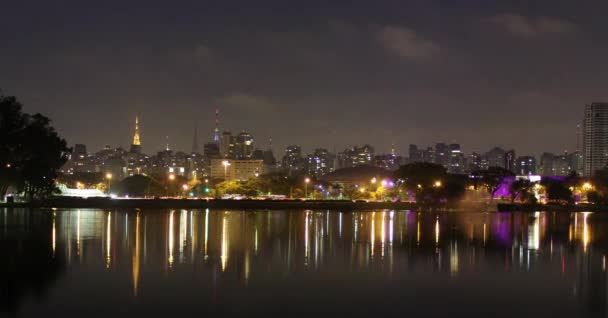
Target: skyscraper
(525,165)
(136,145)
(243,147)
(216,132)
(595,137)
(227,145)
(292,160)
(442,154)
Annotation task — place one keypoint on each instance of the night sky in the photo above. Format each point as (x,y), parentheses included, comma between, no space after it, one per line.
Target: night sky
(314,73)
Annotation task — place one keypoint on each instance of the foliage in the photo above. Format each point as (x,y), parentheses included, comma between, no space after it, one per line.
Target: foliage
(491,178)
(558,191)
(139,186)
(31,151)
(522,189)
(427,181)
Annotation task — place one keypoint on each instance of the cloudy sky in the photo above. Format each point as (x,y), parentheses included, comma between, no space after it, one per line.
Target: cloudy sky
(314,73)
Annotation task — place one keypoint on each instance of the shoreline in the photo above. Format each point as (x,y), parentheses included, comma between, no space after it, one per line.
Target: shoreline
(343,205)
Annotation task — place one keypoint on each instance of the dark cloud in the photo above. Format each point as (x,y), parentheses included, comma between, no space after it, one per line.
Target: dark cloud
(520,25)
(405,43)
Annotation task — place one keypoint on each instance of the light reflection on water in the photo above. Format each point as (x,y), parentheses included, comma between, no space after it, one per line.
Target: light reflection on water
(230,259)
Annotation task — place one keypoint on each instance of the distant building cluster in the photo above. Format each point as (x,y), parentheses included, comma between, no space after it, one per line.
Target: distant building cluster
(234,156)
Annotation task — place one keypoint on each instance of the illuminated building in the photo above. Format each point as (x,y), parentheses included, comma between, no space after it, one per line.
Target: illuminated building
(495,158)
(227,145)
(243,146)
(555,165)
(456,159)
(356,156)
(595,137)
(319,163)
(292,161)
(233,169)
(442,154)
(525,165)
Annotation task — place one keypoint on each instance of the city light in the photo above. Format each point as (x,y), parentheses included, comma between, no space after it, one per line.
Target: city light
(109,176)
(185,186)
(384,183)
(374,180)
(171,177)
(437,184)
(587,186)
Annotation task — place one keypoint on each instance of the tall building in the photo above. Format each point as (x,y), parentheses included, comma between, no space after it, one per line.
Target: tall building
(216,131)
(495,157)
(442,154)
(211,151)
(421,155)
(555,165)
(227,145)
(525,165)
(356,156)
(474,162)
(319,163)
(136,145)
(243,146)
(510,163)
(292,161)
(456,159)
(595,138)
(415,154)
(80,151)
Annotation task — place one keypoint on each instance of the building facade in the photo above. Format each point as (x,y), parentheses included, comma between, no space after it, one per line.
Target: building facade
(234,169)
(595,138)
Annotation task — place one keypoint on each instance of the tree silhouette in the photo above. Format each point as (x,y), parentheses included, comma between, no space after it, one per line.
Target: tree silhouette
(31,151)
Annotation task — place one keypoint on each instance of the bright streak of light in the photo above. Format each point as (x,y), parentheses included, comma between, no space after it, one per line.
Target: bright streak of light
(306,244)
(206,231)
(437,231)
(136,256)
(586,234)
(54,235)
(390,227)
(224,256)
(108,240)
(340,224)
(78,232)
(372,233)
(171,239)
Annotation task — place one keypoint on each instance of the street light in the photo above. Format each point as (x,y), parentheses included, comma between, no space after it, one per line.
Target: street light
(306,181)
(587,186)
(225,163)
(374,180)
(171,178)
(185,187)
(437,184)
(109,177)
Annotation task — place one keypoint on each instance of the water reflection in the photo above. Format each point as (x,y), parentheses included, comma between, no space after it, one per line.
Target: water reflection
(266,249)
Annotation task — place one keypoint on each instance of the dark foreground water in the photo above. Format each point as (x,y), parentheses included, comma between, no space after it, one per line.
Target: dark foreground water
(214,263)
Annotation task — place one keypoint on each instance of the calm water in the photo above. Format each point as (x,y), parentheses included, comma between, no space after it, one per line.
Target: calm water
(302,263)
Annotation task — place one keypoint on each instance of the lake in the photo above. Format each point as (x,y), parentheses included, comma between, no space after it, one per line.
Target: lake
(258,263)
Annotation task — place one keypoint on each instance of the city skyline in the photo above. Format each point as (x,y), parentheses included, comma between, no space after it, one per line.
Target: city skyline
(407,72)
